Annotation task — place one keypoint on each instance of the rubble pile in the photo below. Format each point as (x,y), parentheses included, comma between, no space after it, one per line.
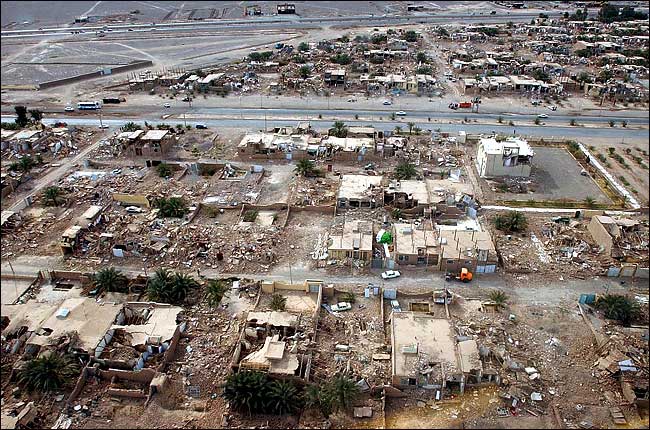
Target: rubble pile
(353,341)
(313,191)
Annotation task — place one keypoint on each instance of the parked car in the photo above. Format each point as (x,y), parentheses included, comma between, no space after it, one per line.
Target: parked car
(390,274)
(542,115)
(167,105)
(400,113)
(133,209)
(201,126)
(341,306)
(387,103)
(103,126)
(69,109)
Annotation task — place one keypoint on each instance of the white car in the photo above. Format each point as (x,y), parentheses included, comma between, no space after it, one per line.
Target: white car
(69,109)
(341,306)
(133,209)
(400,113)
(390,274)
(387,103)
(167,105)
(103,126)
(542,115)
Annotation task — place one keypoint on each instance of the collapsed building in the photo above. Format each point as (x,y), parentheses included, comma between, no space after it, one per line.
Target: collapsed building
(359,191)
(426,354)
(511,157)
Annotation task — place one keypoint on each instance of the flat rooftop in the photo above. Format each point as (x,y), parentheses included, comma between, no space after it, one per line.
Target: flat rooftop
(357,186)
(408,239)
(431,338)
(414,189)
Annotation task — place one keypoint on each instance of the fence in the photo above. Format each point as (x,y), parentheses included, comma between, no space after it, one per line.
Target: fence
(84,76)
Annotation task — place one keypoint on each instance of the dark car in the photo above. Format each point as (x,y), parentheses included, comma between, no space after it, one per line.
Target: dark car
(201,126)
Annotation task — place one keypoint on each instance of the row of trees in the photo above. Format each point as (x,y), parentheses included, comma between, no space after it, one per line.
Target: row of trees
(22,119)
(254,393)
(164,286)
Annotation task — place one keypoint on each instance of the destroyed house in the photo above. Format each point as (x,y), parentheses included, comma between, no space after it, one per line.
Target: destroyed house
(37,324)
(407,194)
(334,77)
(615,236)
(359,191)
(277,355)
(511,157)
(473,250)
(355,242)
(155,143)
(425,354)
(415,245)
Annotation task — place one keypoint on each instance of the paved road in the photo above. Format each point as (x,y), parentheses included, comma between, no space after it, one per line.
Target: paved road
(259,123)
(434,111)
(287,22)
(532,290)
(54,175)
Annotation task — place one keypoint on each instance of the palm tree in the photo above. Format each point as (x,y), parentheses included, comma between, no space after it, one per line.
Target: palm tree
(278,302)
(572,122)
(349,297)
(537,121)
(181,284)
(318,397)
(590,201)
(159,284)
(246,391)
(109,279)
(617,307)
(305,168)
(164,170)
(339,129)
(343,391)
(47,373)
(405,171)
(304,71)
(410,125)
(51,194)
(417,130)
(283,397)
(396,213)
(25,164)
(624,123)
(173,207)
(398,129)
(216,292)
(611,123)
(500,119)
(499,298)
(513,221)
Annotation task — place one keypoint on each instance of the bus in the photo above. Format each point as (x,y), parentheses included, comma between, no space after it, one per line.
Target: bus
(89,105)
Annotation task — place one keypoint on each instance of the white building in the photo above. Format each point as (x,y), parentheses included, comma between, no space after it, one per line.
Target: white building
(511,157)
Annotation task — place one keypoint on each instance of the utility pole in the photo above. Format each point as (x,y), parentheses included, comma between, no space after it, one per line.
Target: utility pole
(14,275)
(100,119)
(290,275)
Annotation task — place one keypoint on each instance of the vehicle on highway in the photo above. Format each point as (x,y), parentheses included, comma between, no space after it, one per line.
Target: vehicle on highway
(201,126)
(351,100)
(89,105)
(69,109)
(387,103)
(341,306)
(390,274)
(542,115)
(133,209)
(400,113)
(103,126)
(167,105)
